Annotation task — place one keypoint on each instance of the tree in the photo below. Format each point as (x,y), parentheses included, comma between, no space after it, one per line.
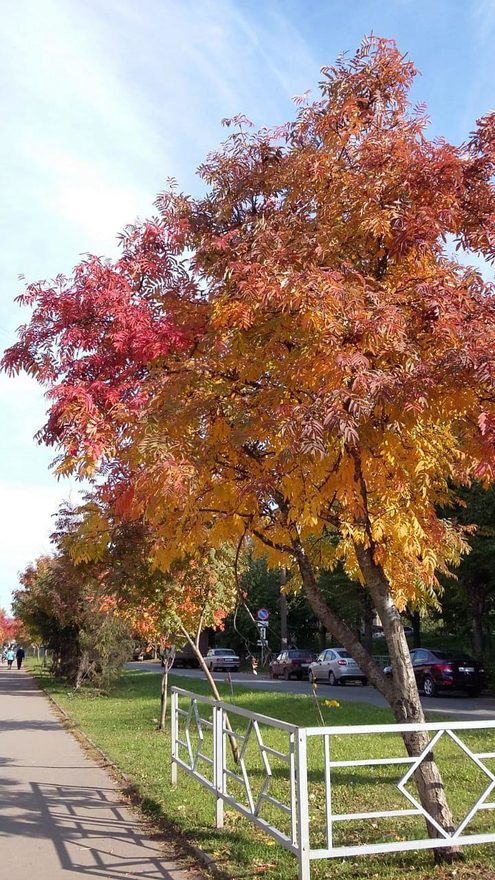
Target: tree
(167,608)
(328,373)
(469,603)
(59,604)
(9,627)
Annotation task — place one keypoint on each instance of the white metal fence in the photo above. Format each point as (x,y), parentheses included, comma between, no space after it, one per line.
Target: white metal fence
(272,785)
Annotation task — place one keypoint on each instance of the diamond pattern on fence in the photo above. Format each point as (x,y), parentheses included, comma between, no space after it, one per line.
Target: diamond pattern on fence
(401,785)
(194,723)
(255,805)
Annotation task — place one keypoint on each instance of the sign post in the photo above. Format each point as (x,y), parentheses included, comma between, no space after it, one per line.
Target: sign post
(262,614)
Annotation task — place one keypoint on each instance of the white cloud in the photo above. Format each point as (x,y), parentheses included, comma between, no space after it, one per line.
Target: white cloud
(104,102)
(88,196)
(26,521)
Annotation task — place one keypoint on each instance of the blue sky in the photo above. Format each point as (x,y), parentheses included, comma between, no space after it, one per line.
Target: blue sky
(101,102)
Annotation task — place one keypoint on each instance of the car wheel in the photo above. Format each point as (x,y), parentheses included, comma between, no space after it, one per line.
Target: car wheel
(364,682)
(429,686)
(473,692)
(331,679)
(286,674)
(235,669)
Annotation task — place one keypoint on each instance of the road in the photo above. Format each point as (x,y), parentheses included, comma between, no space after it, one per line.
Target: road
(459,706)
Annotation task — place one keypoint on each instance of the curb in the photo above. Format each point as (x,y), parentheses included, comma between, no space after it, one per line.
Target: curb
(132,792)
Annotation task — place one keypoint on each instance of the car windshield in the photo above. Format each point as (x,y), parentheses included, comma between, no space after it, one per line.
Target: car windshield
(343,653)
(299,654)
(226,652)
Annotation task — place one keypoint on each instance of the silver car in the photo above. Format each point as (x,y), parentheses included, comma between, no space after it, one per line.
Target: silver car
(336,666)
(222,658)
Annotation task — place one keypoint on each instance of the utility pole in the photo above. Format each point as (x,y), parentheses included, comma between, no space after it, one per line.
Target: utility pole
(284,634)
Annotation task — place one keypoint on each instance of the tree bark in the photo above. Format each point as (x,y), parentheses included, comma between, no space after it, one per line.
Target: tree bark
(401,692)
(167,665)
(416,625)
(284,631)
(211,681)
(476,607)
(163,699)
(368,623)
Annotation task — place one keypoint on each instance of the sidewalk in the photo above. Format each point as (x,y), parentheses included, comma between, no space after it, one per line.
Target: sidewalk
(61,815)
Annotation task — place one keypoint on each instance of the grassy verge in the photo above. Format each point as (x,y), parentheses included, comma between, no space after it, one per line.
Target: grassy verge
(124,726)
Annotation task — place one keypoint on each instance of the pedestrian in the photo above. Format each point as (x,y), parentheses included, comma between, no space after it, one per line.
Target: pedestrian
(19,656)
(10,657)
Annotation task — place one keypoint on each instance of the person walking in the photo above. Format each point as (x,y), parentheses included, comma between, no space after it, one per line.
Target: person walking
(10,657)
(19,656)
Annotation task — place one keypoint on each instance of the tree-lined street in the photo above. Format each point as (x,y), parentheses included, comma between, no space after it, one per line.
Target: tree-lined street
(279,397)
(460,707)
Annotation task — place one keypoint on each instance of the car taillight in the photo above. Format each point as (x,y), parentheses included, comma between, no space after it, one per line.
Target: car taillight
(342,662)
(442,667)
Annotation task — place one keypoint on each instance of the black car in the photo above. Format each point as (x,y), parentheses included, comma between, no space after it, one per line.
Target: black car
(436,669)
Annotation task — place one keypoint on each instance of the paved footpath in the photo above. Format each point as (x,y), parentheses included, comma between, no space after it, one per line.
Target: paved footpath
(61,815)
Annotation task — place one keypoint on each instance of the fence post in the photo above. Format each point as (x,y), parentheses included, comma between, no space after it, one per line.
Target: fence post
(302,805)
(174,721)
(218,762)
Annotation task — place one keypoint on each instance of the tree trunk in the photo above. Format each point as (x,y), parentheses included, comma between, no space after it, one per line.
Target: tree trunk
(368,623)
(476,607)
(416,625)
(401,692)
(211,681)
(163,698)
(168,662)
(284,631)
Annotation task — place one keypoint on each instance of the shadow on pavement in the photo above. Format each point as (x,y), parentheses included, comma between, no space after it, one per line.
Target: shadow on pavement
(89,831)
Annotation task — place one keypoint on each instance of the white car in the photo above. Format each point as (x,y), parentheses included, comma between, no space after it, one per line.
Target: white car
(336,666)
(222,658)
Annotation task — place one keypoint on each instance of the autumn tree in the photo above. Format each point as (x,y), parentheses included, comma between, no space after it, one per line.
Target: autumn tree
(59,604)
(9,627)
(169,608)
(322,373)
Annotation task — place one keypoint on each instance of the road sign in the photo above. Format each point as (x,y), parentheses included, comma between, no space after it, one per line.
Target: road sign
(261,631)
(263,614)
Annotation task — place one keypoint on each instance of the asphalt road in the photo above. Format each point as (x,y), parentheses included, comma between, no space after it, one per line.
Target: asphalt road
(456,706)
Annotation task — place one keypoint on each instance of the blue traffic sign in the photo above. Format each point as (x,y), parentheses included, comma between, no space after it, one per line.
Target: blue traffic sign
(263,614)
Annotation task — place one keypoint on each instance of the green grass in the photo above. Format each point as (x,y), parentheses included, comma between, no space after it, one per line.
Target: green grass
(124,726)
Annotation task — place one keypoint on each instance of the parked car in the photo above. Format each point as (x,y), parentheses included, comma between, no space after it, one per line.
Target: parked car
(293,663)
(184,658)
(222,658)
(336,666)
(436,669)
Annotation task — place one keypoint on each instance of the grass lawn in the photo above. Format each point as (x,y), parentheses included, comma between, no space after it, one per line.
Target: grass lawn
(124,726)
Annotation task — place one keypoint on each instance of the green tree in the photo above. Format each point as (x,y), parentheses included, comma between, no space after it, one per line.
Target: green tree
(468,603)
